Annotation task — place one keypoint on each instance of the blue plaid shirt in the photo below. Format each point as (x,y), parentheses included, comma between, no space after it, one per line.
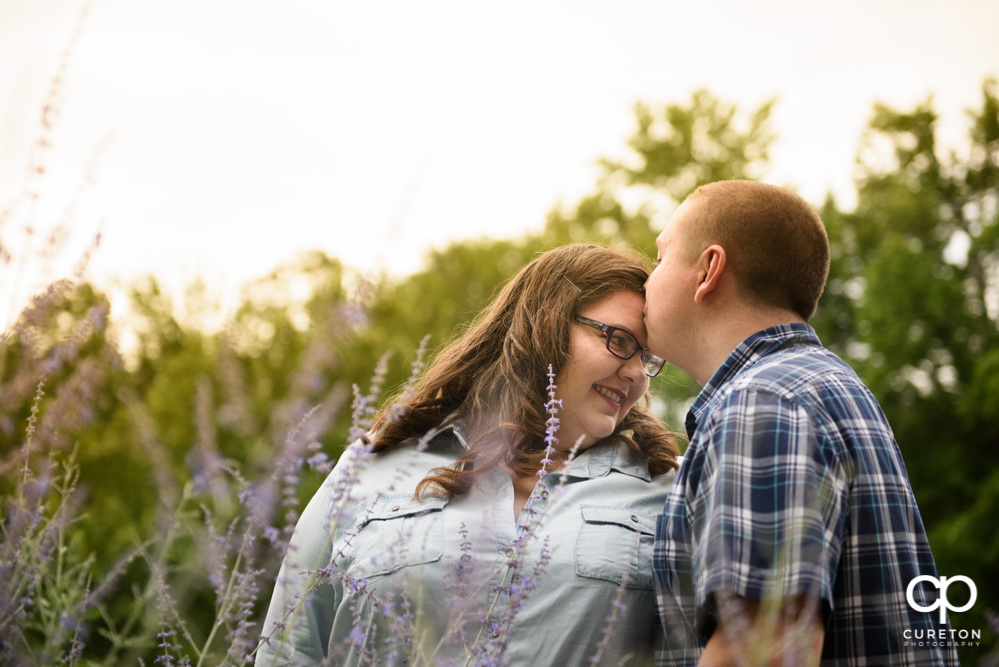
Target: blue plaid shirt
(793,484)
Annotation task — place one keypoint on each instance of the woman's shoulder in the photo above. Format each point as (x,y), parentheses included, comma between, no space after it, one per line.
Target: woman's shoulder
(394,470)
(669,477)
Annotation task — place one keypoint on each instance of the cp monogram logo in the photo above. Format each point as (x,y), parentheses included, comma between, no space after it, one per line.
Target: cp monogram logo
(941,584)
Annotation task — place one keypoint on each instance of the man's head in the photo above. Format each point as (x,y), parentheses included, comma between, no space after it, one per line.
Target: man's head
(734,245)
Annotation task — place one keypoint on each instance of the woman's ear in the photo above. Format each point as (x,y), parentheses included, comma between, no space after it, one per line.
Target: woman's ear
(711,267)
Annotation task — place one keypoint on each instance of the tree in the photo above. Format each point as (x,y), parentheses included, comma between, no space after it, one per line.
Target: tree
(243,421)
(912,305)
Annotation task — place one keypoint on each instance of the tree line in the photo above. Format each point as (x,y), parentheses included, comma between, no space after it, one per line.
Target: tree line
(155,440)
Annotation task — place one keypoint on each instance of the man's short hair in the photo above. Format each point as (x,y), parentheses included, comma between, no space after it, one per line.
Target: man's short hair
(774,241)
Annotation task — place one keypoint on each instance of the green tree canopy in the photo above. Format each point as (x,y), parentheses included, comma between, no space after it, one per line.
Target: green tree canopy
(264,403)
(913,305)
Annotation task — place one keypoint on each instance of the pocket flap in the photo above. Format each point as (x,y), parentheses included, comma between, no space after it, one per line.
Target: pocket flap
(620,516)
(391,507)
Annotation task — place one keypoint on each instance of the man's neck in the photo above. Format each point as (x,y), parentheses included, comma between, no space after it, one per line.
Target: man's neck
(727,332)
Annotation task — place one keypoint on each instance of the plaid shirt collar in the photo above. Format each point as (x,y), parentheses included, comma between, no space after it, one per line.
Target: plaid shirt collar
(746,354)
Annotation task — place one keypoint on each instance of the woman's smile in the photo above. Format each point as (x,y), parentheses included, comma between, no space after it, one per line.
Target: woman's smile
(613,395)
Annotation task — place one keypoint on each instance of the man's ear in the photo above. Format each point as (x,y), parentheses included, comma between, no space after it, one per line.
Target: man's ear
(711,267)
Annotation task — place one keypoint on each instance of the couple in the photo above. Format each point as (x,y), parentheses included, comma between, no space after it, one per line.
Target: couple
(519,505)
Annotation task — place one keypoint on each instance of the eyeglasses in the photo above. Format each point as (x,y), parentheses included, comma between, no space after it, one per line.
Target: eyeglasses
(623,345)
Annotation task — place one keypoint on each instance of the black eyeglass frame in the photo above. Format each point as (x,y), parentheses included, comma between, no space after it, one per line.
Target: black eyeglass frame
(653,364)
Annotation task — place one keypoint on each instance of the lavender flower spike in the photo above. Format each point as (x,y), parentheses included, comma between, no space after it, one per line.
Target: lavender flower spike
(551,424)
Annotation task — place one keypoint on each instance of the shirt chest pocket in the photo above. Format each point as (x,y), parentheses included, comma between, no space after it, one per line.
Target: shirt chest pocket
(394,532)
(616,544)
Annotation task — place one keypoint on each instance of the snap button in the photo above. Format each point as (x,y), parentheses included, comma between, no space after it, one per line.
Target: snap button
(510,552)
(634,518)
(395,509)
(544,494)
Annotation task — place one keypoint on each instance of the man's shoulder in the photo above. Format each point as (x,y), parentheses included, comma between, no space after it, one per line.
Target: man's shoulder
(811,381)
(810,378)
(794,370)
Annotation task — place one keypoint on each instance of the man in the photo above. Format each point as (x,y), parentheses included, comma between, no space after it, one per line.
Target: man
(791,534)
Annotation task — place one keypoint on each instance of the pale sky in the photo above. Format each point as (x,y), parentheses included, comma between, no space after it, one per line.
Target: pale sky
(221,137)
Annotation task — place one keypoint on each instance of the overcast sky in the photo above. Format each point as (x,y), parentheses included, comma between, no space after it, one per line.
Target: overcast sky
(220,137)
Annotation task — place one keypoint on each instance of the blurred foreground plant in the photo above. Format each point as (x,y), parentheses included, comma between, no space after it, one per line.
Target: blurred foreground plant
(140,521)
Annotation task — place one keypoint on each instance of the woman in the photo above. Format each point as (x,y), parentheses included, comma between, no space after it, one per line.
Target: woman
(426,546)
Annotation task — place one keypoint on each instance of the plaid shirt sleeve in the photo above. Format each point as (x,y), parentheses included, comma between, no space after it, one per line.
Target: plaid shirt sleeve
(767,504)
(793,484)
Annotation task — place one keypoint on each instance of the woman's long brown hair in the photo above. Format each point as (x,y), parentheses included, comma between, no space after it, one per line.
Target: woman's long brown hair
(494,375)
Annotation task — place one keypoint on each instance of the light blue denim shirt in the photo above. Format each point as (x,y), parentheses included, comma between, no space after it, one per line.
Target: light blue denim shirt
(373,576)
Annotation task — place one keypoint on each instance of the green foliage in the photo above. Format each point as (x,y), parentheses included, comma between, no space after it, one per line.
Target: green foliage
(675,149)
(438,301)
(187,436)
(47,575)
(680,148)
(912,305)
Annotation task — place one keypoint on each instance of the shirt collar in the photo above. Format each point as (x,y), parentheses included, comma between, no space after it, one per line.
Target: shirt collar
(746,354)
(452,424)
(597,461)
